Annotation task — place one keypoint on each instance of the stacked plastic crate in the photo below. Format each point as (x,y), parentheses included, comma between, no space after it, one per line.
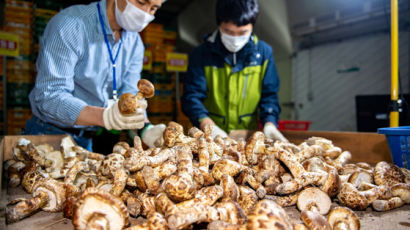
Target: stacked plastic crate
(19,70)
(157,40)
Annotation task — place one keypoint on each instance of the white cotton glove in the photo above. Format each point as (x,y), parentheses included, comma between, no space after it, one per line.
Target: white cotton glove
(272,132)
(218,131)
(152,136)
(113,119)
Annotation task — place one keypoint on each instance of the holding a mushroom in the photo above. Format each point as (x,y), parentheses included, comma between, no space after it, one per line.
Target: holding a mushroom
(127,113)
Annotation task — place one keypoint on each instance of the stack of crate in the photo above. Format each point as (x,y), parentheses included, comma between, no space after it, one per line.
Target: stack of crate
(161,108)
(19,21)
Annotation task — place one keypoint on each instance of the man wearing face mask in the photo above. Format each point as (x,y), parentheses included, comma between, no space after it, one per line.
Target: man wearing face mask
(89,55)
(232,79)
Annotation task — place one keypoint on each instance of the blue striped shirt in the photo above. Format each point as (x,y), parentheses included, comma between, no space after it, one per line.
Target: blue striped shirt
(74,67)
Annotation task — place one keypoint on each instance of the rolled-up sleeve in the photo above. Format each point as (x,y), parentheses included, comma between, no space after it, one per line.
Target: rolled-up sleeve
(61,47)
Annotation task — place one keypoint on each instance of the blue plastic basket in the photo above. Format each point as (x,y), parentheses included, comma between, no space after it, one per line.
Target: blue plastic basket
(399,143)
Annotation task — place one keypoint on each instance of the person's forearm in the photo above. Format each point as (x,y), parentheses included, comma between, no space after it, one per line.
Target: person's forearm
(91,116)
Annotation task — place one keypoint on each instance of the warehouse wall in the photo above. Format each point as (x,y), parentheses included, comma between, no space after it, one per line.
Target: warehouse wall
(326,97)
(272,26)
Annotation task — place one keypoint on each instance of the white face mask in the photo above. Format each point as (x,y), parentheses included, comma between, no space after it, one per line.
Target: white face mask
(234,43)
(133,18)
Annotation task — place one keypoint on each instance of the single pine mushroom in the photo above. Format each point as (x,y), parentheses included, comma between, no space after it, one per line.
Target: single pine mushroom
(387,174)
(315,200)
(48,195)
(225,167)
(97,209)
(129,103)
(386,205)
(343,218)
(181,187)
(403,191)
(359,200)
(315,221)
(254,147)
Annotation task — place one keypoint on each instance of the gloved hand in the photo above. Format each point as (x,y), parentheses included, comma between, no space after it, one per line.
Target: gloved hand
(113,119)
(218,131)
(152,136)
(272,132)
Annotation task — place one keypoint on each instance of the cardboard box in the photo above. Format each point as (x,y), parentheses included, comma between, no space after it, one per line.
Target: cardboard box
(8,142)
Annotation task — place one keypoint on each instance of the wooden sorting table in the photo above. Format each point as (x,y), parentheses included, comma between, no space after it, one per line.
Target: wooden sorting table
(367,147)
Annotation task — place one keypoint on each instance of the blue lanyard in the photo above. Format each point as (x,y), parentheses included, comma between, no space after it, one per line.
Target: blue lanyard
(114,81)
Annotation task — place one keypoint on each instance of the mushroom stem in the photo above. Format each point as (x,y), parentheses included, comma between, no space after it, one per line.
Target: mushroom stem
(21,208)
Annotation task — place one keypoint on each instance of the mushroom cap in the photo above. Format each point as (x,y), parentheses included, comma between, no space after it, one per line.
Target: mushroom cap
(360,176)
(403,191)
(179,188)
(231,212)
(315,221)
(94,201)
(388,174)
(111,163)
(333,183)
(127,103)
(314,197)
(268,215)
(349,196)
(343,214)
(225,167)
(146,88)
(55,191)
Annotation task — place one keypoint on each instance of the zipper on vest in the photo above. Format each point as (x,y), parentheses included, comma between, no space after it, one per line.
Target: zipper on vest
(245,86)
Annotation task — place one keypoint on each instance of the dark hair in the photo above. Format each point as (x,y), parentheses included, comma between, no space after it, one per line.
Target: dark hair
(239,12)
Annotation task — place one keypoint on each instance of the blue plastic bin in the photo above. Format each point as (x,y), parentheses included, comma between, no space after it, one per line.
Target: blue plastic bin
(399,143)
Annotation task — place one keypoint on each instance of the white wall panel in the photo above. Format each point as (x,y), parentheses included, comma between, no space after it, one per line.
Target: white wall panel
(326,97)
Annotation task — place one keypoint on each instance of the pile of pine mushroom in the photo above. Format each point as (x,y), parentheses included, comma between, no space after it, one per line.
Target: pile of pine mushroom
(192,179)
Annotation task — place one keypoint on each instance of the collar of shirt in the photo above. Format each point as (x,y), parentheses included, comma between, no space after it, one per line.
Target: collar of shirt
(110,33)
